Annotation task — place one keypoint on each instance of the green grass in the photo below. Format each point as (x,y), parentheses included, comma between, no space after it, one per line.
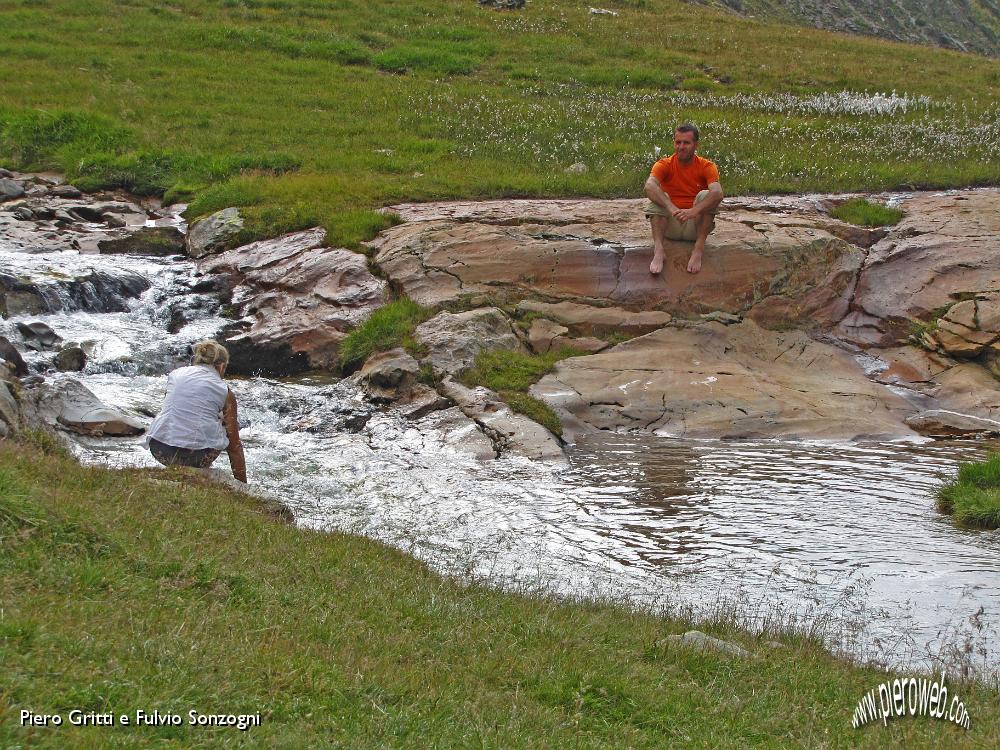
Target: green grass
(511,374)
(152,590)
(308,112)
(973,498)
(388,327)
(864,213)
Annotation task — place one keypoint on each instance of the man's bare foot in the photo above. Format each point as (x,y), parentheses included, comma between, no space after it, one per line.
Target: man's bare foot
(657,263)
(694,263)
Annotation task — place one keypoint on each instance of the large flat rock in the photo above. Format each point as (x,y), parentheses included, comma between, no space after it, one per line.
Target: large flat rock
(598,252)
(717,381)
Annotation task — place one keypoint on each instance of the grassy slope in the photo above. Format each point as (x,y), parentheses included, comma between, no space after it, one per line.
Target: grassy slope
(382,102)
(119,592)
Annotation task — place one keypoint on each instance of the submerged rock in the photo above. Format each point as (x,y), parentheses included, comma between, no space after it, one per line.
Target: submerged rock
(451,428)
(92,290)
(942,423)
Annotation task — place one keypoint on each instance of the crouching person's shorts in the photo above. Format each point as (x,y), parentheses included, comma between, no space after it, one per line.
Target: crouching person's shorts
(168,455)
(688,231)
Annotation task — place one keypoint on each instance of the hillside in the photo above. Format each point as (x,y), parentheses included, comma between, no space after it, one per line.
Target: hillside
(967,25)
(309,112)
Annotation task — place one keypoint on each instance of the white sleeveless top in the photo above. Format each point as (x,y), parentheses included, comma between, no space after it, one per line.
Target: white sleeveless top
(192,411)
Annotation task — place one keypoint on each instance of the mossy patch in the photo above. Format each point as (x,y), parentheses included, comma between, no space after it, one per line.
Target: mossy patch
(386,328)
(511,374)
(864,213)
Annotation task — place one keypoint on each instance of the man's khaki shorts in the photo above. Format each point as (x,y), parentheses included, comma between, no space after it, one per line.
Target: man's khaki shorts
(688,231)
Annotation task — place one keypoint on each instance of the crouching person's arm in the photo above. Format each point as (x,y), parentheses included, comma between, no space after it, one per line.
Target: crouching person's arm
(235,449)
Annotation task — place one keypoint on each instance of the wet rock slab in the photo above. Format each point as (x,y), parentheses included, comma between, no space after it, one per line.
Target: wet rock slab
(713,380)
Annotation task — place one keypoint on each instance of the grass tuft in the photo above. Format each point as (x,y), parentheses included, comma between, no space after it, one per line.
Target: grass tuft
(973,498)
(511,374)
(386,328)
(864,213)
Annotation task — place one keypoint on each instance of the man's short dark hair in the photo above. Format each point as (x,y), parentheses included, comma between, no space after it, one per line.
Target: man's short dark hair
(688,127)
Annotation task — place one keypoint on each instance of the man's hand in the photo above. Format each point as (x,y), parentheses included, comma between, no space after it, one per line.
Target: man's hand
(685,214)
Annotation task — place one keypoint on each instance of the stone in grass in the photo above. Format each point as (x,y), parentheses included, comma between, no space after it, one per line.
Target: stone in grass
(211,234)
(695,639)
(578,168)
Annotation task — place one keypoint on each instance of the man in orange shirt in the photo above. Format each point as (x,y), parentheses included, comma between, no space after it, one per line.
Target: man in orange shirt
(684,193)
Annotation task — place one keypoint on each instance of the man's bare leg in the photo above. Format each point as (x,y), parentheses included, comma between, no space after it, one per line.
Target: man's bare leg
(658,224)
(705,225)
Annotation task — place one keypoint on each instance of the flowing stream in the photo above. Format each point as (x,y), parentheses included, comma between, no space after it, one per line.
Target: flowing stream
(842,539)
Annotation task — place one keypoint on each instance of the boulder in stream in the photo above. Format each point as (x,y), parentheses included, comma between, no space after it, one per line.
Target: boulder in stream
(156,241)
(512,434)
(944,423)
(70,359)
(39,336)
(297,299)
(70,404)
(732,381)
(10,412)
(10,189)
(10,354)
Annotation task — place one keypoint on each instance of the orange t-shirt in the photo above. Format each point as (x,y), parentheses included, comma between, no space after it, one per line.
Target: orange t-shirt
(682,182)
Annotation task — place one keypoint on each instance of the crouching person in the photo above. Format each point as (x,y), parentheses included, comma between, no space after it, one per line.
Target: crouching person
(198,420)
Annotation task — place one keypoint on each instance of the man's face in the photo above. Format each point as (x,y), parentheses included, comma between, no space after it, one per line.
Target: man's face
(685,145)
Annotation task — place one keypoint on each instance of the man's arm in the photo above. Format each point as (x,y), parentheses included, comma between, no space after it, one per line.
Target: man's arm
(235,450)
(709,203)
(655,193)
